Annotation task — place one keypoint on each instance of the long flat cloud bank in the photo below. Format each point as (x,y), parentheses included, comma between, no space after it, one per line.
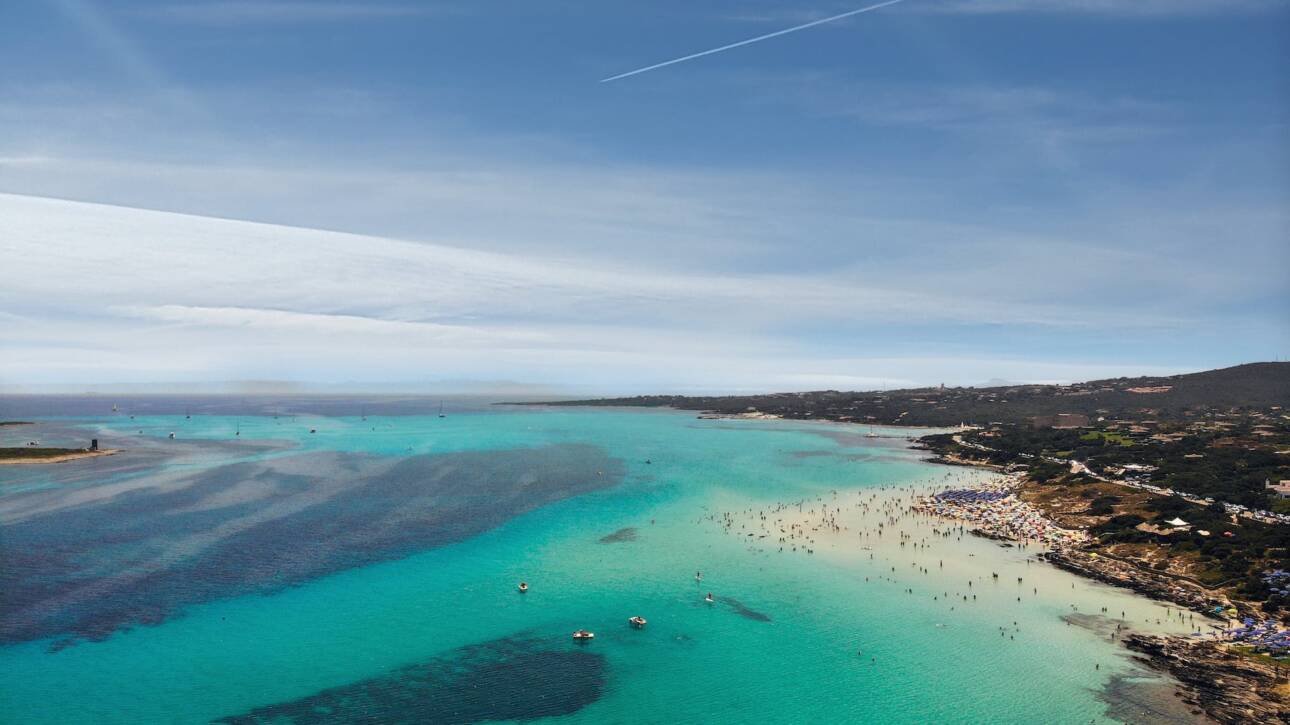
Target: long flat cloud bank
(105,294)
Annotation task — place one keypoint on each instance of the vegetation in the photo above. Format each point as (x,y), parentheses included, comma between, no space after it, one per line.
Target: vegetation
(1240,388)
(33,452)
(1212,548)
(1220,435)
(1231,463)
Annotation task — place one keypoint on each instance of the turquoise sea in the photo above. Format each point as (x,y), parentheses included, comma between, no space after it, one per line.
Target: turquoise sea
(249,570)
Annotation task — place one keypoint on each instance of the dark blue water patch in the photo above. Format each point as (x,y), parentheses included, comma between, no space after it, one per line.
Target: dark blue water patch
(622,535)
(138,455)
(1144,698)
(139,557)
(851,457)
(507,679)
(744,611)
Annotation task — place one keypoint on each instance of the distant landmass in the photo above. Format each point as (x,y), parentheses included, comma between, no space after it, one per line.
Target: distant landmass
(1250,386)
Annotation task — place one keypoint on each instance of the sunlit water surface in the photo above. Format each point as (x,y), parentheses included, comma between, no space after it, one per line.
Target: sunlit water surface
(442,634)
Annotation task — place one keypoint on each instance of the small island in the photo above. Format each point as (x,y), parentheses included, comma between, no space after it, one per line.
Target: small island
(37,455)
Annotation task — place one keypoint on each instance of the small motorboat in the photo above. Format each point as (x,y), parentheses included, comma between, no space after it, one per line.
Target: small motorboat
(583,635)
(524,587)
(313,430)
(172,434)
(637,622)
(709,599)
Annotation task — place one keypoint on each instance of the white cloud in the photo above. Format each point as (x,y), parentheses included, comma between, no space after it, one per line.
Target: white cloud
(110,293)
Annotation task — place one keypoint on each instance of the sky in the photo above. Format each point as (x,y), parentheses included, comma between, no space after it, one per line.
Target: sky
(396,192)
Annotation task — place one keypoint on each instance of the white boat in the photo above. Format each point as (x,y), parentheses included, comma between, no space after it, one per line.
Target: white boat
(583,635)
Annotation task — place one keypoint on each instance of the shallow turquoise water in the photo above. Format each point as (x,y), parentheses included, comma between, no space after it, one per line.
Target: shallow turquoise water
(922,661)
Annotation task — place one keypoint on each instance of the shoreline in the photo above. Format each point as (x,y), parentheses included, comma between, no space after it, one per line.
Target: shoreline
(1074,558)
(1225,686)
(63,458)
(1219,682)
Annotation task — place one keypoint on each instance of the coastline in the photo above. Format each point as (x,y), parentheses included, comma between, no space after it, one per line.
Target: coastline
(1227,687)
(1092,565)
(1218,682)
(63,458)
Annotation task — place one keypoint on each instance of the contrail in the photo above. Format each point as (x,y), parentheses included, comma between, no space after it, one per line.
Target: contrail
(767,36)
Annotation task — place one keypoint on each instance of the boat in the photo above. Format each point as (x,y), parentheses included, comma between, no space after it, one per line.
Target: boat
(583,635)
(172,434)
(637,621)
(313,430)
(524,587)
(441,415)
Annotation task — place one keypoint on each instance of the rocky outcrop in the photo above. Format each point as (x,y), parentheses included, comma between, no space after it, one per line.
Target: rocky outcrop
(1122,574)
(1228,687)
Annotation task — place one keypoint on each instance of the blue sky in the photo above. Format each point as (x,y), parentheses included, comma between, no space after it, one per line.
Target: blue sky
(940,190)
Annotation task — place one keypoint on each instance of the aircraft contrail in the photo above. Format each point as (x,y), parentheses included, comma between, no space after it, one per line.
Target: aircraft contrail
(767,36)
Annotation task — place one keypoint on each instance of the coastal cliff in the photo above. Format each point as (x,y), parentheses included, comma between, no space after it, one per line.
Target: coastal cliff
(1228,687)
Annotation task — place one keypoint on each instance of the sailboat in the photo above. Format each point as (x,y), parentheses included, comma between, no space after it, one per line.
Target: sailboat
(441,415)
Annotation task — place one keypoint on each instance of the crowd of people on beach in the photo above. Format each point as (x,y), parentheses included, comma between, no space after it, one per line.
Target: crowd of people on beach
(994,509)
(1266,636)
(880,518)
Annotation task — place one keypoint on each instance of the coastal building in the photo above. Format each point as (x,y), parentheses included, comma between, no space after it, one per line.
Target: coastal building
(1159,531)
(1281,490)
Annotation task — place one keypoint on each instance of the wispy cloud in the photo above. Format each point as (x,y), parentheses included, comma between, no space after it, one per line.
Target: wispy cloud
(757,39)
(238,12)
(1123,8)
(1146,9)
(967,107)
(160,286)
